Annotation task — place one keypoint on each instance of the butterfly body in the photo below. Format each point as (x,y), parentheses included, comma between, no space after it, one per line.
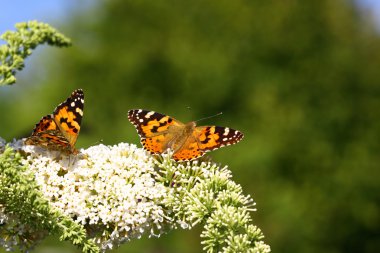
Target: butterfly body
(59,131)
(176,136)
(160,132)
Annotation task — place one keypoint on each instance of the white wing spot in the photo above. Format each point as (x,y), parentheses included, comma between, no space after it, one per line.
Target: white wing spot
(79,111)
(226,131)
(141,120)
(149,114)
(72,104)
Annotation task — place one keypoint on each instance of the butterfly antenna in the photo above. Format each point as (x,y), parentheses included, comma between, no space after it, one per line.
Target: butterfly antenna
(98,142)
(212,116)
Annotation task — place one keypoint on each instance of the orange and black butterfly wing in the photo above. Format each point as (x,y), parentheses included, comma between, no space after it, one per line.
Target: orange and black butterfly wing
(189,151)
(47,134)
(68,116)
(155,129)
(60,130)
(214,137)
(205,139)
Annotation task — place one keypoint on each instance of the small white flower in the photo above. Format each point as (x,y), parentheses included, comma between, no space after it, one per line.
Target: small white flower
(3,217)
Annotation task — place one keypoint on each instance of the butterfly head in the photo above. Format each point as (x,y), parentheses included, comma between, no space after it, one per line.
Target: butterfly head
(191,125)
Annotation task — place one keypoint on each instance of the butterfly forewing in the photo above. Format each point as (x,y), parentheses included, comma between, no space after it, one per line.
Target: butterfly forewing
(68,116)
(153,128)
(213,137)
(150,123)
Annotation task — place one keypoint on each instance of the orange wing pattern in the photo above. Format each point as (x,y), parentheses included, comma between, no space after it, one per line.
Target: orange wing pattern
(159,132)
(60,130)
(206,138)
(153,129)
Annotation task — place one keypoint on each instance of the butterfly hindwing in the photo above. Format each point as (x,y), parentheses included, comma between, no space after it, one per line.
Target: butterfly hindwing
(154,144)
(46,123)
(189,151)
(47,134)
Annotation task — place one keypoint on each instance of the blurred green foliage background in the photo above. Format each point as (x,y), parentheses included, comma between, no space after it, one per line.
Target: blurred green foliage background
(299,78)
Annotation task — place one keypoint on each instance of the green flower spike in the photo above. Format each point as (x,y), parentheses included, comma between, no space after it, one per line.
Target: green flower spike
(20,44)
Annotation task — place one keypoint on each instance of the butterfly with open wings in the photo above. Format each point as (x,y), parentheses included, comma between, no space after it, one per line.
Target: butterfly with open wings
(160,132)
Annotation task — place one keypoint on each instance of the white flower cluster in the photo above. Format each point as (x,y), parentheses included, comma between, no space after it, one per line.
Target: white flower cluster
(120,192)
(111,190)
